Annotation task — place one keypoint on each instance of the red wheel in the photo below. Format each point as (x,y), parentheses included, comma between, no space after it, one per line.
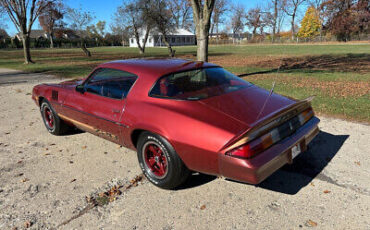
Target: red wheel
(159,161)
(155,159)
(51,119)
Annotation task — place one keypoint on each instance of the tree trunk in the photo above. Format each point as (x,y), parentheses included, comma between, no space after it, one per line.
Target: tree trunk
(83,47)
(202,41)
(293,30)
(275,20)
(51,40)
(26,49)
(171,52)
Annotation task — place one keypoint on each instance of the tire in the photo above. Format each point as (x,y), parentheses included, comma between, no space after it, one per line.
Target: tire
(52,121)
(159,161)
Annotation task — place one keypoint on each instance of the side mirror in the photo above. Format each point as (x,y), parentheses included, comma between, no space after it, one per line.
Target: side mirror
(80,89)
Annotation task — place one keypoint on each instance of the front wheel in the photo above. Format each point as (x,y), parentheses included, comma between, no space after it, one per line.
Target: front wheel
(159,161)
(51,119)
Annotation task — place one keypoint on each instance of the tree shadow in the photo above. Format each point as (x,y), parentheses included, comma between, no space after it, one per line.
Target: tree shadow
(196,179)
(290,179)
(350,62)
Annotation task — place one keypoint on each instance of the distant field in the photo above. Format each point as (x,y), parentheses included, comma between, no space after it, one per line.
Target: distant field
(338,74)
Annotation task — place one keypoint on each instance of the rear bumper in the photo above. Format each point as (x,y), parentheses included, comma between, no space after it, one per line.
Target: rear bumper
(257,169)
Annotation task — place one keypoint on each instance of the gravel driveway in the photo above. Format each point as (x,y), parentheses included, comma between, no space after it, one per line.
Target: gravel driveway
(59,182)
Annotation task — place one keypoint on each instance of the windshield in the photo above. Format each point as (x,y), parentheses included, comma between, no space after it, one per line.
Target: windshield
(197,84)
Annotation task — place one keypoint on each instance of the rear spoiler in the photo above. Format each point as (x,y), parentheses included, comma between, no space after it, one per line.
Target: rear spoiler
(265,124)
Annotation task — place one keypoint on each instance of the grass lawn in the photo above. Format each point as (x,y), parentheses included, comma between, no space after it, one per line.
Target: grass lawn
(338,74)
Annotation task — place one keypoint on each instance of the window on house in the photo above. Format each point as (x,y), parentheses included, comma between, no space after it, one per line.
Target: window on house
(173,40)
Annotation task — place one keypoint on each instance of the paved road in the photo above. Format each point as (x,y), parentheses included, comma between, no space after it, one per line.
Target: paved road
(45,181)
(9,76)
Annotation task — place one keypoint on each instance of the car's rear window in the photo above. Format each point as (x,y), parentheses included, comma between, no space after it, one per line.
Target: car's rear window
(197,84)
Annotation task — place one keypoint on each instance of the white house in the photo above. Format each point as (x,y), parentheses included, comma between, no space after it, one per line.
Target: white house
(180,37)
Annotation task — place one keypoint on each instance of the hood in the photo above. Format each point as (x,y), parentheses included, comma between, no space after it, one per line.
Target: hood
(246,104)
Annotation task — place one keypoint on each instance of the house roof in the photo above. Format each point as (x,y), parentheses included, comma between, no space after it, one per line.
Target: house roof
(178,32)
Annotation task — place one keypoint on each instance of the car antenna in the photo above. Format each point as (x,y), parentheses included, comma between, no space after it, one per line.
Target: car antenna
(271,92)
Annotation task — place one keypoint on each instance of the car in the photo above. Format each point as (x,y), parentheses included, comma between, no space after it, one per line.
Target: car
(182,116)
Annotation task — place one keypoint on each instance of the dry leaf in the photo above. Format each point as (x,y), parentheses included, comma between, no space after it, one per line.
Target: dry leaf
(101,194)
(27,224)
(311,223)
(46,154)
(46,149)
(312,184)
(327,191)
(203,207)
(357,163)
(71,162)
(19,162)
(84,147)
(25,180)
(73,180)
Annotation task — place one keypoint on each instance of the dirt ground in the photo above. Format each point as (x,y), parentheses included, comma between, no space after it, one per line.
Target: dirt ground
(47,182)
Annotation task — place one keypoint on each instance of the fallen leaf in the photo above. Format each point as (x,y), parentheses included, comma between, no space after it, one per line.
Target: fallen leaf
(25,180)
(20,151)
(357,163)
(327,191)
(73,180)
(84,147)
(19,162)
(311,223)
(46,149)
(119,146)
(71,162)
(312,184)
(27,224)
(7,133)
(46,154)
(203,207)
(105,152)
(20,174)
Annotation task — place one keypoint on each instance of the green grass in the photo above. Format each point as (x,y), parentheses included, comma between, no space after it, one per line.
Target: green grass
(338,74)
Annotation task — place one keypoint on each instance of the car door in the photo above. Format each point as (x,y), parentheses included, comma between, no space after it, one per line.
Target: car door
(98,107)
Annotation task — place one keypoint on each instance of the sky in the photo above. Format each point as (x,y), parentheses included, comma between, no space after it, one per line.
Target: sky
(104,9)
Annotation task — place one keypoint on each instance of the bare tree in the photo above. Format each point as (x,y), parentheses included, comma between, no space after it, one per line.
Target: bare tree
(181,12)
(80,20)
(237,24)
(202,13)
(275,17)
(51,14)
(254,20)
(291,8)
(23,13)
(133,16)
(217,18)
(160,15)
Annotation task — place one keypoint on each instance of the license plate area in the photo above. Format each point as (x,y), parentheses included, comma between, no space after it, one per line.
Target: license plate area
(295,150)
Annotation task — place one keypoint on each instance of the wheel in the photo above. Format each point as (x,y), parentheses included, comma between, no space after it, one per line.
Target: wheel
(159,161)
(51,120)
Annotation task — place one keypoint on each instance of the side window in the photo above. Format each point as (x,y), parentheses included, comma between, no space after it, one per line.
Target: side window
(110,83)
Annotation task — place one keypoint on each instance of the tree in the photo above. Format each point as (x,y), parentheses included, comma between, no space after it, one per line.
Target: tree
(23,14)
(3,34)
(50,15)
(80,20)
(237,25)
(310,25)
(345,18)
(254,20)
(160,15)
(133,16)
(219,11)
(181,12)
(274,18)
(291,8)
(202,13)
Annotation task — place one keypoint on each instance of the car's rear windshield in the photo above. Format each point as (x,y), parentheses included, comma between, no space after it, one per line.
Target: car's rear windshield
(197,84)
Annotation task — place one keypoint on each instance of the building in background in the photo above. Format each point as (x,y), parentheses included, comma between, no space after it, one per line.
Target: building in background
(180,37)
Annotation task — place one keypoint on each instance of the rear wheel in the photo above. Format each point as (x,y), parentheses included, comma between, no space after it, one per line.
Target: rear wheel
(51,120)
(159,161)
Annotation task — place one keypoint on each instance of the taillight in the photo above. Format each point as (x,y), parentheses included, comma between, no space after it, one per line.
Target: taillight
(263,142)
(305,116)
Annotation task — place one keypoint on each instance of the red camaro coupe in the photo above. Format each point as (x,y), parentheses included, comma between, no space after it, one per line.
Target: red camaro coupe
(182,115)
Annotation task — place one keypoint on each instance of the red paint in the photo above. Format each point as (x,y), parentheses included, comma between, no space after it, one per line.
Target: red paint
(198,130)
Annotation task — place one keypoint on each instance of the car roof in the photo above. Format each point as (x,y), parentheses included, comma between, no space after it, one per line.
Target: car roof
(155,67)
